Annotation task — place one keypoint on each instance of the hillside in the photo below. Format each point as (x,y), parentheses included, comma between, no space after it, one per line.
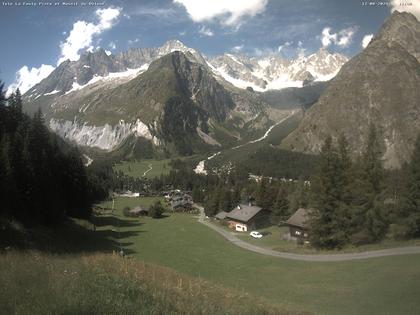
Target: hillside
(378,86)
(37,283)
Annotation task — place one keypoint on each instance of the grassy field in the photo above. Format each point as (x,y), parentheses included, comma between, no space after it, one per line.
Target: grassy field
(388,285)
(138,168)
(38,283)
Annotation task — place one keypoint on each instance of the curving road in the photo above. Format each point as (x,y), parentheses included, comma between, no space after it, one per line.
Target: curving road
(307,257)
(148,170)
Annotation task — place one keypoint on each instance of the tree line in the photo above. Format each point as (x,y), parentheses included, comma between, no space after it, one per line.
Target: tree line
(358,201)
(42,178)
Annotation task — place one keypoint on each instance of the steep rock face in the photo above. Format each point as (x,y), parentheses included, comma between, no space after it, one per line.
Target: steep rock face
(105,137)
(379,86)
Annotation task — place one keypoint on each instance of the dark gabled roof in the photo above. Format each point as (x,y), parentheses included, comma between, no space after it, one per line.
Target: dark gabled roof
(299,218)
(221,215)
(178,203)
(243,213)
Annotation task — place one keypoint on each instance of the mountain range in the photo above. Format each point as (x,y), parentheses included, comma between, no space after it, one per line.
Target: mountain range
(172,96)
(175,100)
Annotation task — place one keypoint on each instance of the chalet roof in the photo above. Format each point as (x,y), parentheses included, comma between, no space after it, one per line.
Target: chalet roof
(243,213)
(299,218)
(178,203)
(221,215)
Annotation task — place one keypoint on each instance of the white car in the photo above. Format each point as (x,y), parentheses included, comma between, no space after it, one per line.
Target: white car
(256,234)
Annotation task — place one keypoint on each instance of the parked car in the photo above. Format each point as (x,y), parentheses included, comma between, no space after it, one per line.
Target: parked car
(256,234)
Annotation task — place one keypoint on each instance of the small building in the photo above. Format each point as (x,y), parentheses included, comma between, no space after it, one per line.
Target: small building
(181,205)
(139,211)
(247,217)
(221,215)
(298,223)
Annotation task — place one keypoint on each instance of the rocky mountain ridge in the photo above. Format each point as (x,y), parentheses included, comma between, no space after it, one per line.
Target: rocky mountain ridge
(379,86)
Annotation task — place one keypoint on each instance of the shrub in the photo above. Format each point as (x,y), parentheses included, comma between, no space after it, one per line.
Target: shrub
(156,210)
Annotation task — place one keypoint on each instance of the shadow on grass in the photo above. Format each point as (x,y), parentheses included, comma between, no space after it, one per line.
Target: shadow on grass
(114,221)
(71,237)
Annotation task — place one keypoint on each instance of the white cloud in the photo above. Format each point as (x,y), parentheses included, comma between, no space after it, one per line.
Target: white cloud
(205,31)
(130,42)
(286,44)
(81,36)
(112,45)
(343,38)
(400,6)
(238,48)
(25,78)
(327,37)
(366,40)
(230,12)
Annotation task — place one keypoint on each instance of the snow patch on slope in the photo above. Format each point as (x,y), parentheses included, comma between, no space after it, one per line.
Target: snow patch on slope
(111,76)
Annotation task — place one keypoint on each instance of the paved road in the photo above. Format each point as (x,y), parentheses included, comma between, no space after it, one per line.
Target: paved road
(306,257)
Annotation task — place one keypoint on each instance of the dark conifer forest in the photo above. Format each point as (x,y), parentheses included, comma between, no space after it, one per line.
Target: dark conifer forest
(42,178)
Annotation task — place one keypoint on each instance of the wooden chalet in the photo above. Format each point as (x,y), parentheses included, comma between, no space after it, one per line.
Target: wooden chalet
(298,223)
(247,218)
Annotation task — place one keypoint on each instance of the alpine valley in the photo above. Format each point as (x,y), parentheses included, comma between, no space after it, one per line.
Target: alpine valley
(173,99)
(176,101)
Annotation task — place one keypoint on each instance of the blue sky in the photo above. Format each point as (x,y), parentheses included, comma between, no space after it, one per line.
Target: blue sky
(36,35)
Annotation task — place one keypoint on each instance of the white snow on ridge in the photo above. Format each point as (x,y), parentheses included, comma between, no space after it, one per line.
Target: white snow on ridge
(53,92)
(237,82)
(111,76)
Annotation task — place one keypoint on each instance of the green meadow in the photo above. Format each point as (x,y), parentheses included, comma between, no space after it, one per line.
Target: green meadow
(152,168)
(388,285)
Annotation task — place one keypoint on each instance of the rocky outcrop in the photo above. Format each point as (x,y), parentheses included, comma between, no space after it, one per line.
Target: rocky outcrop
(380,86)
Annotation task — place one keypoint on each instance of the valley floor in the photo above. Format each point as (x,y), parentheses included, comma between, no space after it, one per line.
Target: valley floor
(385,285)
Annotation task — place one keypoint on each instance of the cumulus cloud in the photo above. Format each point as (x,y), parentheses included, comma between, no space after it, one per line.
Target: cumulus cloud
(229,12)
(132,41)
(400,6)
(81,36)
(27,78)
(205,31)
(366,40)
(238,48)
(285,45)
(343,38)
(112,45)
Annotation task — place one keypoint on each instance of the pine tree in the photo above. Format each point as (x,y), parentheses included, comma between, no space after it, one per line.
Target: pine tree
(411,214)
(373,174)
(327,227)
(280,211)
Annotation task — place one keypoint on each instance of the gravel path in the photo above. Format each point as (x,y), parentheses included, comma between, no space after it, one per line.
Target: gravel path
(306,257)
(147,171)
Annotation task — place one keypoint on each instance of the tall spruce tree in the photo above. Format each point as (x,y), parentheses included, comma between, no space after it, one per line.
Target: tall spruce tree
(326,220)
(411,214)
(374,225)
(280,210)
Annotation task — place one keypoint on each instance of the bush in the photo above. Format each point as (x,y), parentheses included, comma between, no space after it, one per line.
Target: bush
(156,210)
(126,212)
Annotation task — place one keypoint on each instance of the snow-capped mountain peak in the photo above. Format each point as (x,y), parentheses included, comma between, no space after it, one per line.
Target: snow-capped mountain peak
(275,72)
